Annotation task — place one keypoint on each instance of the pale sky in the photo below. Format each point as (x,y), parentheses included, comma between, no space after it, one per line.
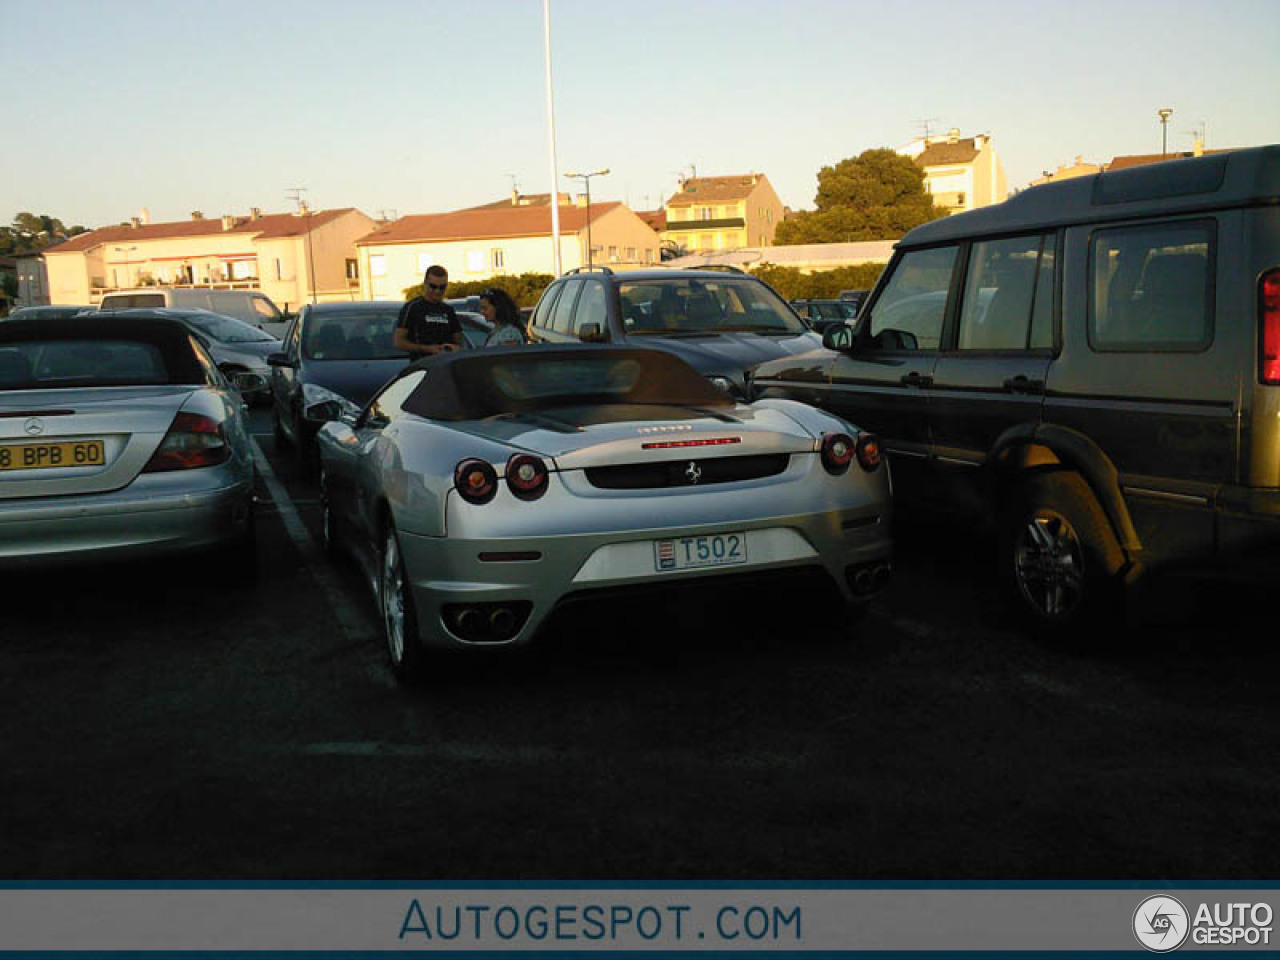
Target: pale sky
(420,106)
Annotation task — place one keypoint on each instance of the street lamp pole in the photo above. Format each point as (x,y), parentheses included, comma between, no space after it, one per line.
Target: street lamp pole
(127,260)
(1164,113)
(586,189)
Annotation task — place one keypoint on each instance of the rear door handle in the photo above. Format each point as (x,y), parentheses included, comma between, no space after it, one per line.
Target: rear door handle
(914,379)
(1021,384)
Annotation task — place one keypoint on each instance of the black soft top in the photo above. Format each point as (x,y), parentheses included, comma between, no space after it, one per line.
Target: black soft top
(169,336)
(475,384)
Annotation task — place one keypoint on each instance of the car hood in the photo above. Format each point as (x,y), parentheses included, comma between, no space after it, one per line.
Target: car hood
(357,380)
(591,436)
(729,354)
(254,352)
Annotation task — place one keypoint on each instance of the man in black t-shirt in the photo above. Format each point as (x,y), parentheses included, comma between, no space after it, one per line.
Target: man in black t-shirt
(427,324)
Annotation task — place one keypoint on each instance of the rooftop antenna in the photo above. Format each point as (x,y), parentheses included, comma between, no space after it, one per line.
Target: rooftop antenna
(927,126)
(296,195)
(515,184)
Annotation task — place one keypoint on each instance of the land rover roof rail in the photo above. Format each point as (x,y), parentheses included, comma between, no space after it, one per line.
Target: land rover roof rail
(591,269)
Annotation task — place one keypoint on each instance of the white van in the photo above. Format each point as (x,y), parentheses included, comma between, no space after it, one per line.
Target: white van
(247,305)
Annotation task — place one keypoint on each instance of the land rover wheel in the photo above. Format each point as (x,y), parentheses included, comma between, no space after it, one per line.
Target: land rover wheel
(1059,558)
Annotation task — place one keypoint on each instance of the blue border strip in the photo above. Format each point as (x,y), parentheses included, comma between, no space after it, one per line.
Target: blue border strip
(605,885)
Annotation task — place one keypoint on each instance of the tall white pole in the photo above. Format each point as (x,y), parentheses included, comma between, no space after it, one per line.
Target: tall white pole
(551,141)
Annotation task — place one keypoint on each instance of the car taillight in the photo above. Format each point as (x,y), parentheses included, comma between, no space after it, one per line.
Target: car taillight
(868,451)
(837,451)
(476,481)
(1269,328)
(526,476)
(193,440)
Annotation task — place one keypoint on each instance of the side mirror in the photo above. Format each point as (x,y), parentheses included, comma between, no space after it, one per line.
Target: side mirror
(591,333)
(246,382)
(279,360)
(839,336)
(324,411)
(349,420)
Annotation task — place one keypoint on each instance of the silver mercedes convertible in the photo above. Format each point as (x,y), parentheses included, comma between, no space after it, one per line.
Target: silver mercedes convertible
(481,489)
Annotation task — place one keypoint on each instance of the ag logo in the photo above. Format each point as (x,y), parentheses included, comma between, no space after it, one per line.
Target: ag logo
(1161,923)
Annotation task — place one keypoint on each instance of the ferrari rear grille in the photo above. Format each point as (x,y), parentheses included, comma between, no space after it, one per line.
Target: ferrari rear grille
(687,473)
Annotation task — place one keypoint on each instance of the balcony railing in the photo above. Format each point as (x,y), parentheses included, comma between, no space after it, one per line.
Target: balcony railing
(98,288)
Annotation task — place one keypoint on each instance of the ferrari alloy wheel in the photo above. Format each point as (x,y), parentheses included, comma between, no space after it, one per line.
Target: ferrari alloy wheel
(328,522)
(399,624)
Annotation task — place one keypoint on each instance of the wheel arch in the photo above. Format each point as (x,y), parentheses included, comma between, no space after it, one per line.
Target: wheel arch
(1034,447)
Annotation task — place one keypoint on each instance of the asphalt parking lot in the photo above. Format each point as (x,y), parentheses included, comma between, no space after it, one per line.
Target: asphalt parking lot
(162,722)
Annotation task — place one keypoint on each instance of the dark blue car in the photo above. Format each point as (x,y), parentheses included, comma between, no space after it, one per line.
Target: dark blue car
(335,357)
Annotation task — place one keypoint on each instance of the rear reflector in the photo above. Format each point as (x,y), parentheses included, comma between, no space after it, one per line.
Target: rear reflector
(669,444)
(193,440)
(1269,328)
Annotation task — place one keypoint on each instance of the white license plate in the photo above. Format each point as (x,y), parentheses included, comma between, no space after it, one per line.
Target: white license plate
(686,553)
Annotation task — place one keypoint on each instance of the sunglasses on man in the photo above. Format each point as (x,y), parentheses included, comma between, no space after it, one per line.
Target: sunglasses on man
(438,286)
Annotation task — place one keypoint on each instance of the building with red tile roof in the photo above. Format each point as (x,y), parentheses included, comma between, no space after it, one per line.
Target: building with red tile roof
(709,214)
(500,238)
(291,257)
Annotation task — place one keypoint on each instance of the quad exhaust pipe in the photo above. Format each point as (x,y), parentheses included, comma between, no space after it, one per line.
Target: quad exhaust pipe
(486,622)
(870,578)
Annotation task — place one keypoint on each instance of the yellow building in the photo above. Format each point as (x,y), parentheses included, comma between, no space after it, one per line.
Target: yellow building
(293,258)
(722,213)
(497,239)
(961,173)
(1068,171)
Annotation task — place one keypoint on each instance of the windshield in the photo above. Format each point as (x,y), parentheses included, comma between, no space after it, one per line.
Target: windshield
(351,335)
(226,329)
(693,305)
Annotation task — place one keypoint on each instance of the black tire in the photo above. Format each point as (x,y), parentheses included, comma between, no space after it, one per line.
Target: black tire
(399,620)
(1060,559)
(277,431)
(305,453)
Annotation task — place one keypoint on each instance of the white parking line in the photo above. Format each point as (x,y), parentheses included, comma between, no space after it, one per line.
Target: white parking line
(354,626)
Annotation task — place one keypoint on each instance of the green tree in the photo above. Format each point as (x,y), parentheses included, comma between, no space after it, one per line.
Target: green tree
(793,284)
(524,289)
(877,195)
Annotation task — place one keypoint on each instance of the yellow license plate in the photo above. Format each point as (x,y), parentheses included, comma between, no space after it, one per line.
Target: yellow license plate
(47,456)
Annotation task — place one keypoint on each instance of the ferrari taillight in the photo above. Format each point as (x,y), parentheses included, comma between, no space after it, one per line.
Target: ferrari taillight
(837,452)
(475,481)
(868,451)
(193,440)
(526,476)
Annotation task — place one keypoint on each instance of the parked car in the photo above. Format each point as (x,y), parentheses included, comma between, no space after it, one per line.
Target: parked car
(479,489)
(247,305)
(1091,368)
(57,311)
(722,324)
(334,357)
(854,296)
(822,313)
(119,439)
(236,346)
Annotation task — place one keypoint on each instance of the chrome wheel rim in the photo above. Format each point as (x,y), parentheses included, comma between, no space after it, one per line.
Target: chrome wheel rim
(326,515)
(1049,565)
(393,598)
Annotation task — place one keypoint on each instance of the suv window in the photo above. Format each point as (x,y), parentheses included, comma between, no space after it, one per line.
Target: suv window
(542,314)
(1151,287)
(909,312)
(591,307)
(704,305)
(1008,283)
(564,307)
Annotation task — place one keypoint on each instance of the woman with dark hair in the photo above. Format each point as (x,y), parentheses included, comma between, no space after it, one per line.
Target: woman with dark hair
(500,310)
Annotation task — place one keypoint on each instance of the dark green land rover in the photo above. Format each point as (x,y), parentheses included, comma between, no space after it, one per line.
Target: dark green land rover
(1093,366)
